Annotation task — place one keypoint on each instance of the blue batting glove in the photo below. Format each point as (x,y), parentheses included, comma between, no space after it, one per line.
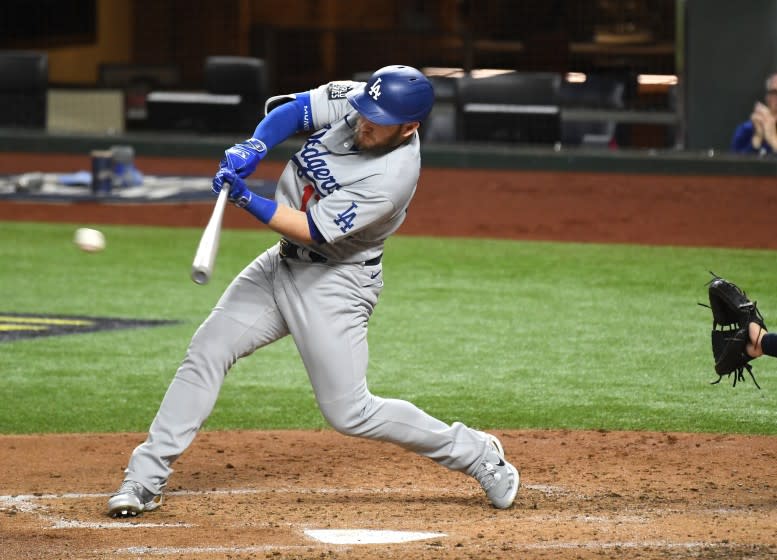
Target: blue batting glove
(224,175)
(244,157)
(239,193)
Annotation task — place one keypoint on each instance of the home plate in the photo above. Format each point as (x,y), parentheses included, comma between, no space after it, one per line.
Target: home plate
(367,536)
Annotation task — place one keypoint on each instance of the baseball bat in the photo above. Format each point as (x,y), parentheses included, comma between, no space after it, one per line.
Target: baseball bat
(205,257)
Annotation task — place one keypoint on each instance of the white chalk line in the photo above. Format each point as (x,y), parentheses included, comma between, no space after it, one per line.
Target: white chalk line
(58,523)
(659,545)
(168,550)
(369,536)
(27,503)
(543,488)
(592,545)
(573,545)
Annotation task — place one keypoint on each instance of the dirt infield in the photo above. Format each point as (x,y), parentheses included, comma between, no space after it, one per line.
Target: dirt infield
(586,207)
(254,494)
(260,494)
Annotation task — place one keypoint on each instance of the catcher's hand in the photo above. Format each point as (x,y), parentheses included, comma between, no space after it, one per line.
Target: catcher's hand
(732,313)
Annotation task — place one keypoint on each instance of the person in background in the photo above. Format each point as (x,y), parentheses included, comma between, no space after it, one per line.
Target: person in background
(759,134)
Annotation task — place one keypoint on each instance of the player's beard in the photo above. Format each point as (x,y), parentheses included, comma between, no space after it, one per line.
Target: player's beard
(367,142)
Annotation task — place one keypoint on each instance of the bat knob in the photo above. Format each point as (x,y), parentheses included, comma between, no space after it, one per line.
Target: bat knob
(200,277)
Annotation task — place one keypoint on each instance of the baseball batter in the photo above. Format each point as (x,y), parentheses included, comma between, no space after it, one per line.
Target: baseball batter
(339,198)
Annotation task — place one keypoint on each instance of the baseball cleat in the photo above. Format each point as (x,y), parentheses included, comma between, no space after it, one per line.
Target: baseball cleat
(131,499)
(499,479)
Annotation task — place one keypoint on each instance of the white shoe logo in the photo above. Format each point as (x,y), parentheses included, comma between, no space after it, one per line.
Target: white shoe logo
(375,90)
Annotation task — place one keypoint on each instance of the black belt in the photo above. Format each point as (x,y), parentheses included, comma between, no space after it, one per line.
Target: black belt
(289,250)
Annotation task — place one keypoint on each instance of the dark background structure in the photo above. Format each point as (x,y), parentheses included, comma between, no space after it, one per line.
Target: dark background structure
(687,71)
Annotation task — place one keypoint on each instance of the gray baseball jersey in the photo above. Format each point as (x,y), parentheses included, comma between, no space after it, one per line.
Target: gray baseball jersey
(356,199)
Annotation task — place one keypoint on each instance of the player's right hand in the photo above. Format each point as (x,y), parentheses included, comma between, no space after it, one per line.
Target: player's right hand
(244,157)
(239,193)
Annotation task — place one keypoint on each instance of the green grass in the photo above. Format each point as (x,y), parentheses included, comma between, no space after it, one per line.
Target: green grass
(498,334)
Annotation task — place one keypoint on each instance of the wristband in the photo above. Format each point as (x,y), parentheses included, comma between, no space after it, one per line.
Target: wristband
(769,344)
(263,209)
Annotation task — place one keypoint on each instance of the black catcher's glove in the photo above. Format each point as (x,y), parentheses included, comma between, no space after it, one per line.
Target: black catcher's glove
(732,313)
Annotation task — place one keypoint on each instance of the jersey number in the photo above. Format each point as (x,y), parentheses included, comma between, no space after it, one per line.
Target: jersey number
(307,194)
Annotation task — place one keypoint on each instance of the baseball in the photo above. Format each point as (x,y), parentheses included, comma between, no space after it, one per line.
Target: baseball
(89,240)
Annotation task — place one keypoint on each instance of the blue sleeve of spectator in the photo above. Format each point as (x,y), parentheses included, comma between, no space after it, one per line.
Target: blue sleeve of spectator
(742,141)
(284,121)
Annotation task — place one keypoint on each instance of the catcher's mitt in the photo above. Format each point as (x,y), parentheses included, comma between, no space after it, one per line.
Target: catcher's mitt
(732,313)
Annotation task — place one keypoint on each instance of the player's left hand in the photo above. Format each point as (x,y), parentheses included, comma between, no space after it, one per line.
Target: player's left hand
(244,157)
(239,193)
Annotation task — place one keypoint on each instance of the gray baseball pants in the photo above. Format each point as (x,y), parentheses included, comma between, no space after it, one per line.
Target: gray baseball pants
(325,307)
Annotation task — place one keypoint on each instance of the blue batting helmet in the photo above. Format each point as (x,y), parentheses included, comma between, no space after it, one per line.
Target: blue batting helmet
(394,95)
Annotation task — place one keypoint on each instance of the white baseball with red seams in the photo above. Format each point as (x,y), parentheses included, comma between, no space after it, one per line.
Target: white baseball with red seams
(89,240)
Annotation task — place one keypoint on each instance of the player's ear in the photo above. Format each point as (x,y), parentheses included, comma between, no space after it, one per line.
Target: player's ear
(409,128)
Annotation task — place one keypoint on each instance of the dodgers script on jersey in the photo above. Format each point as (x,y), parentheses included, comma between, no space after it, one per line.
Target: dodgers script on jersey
(356,199)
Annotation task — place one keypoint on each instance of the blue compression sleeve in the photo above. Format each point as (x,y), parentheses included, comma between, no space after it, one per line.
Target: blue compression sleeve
(285,120)
(263,209)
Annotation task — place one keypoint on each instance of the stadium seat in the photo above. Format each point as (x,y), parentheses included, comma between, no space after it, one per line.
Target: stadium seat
(232,100)
(516,107)
(596,92)
(24,80)
(243,75)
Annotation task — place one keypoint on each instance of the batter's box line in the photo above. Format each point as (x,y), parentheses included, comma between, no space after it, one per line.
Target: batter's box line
(594,545)
(542,488)
(170,551)
(29,503)
(26,504)
(21,499)
(660,545)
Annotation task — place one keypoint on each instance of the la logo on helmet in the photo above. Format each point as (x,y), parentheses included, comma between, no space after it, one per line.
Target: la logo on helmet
(375,89)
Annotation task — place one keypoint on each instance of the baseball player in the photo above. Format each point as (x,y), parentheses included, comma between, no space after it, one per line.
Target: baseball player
(339,198)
